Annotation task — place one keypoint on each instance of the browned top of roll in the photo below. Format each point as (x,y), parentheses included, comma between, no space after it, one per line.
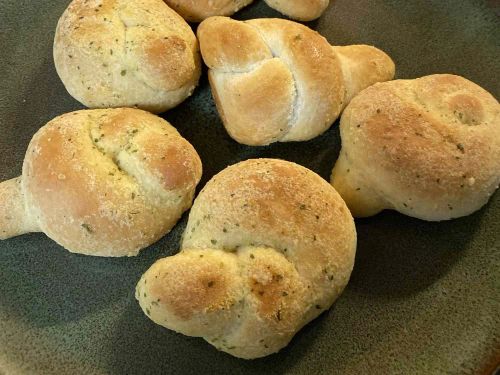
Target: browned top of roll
(198,10)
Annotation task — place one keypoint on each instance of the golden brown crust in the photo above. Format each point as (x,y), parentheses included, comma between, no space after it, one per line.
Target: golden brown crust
(198,10)
(116,53)
(270,117)
(277,80)
(429,148)
(362,66)
(268,247)
(106,182)
(231,45)
(301,10)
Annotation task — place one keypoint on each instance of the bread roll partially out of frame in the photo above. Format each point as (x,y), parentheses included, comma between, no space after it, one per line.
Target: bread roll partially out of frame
(276,80)
(102,182)
(269,245)
(428,148)
(300,10)
(198,10)
(119,53)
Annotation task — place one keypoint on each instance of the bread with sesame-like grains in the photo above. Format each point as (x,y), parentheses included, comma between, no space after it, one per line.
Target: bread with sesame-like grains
(119,53)
(105,182)
(269,245)
(275,80)
(428,148)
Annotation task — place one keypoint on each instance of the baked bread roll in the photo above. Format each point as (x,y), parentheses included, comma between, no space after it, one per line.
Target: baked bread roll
(428,148)
(198,10)
(300,10)
(102,182)
(269,245)
(276,80)
(119,53)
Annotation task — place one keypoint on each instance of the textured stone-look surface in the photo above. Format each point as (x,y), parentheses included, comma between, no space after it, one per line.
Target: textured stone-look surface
(423,298)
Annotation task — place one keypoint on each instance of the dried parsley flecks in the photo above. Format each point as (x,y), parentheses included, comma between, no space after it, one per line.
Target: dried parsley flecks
(88,228)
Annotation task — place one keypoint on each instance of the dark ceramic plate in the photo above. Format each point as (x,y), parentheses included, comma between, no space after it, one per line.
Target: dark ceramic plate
(423,298)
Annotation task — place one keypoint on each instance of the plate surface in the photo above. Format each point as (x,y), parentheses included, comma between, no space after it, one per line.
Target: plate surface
(423,298)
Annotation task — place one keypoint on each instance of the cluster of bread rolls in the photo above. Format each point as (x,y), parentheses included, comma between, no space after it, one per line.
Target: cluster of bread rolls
(269,245)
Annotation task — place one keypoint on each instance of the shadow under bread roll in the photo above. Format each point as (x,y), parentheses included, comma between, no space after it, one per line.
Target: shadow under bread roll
(104,182)
(427,147)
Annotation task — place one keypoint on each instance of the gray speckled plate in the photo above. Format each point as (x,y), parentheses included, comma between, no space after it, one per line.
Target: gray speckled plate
(423,298)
